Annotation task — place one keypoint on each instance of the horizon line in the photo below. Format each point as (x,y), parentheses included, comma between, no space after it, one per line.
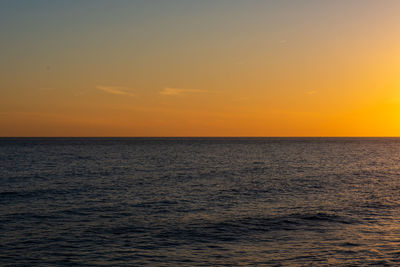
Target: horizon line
(200,136)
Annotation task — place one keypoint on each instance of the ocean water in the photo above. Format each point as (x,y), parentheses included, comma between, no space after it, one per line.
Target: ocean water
(200,201)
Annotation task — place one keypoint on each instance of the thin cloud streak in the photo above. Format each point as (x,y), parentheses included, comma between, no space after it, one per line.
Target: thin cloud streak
(176,91)
(116,90)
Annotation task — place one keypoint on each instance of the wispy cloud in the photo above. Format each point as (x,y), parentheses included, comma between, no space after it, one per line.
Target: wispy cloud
(116,90)
(79,93)
(176,91)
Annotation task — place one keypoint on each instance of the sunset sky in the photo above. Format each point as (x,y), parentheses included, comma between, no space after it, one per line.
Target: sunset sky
(200,68)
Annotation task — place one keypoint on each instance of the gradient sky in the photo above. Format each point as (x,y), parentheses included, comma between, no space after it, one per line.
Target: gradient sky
(200,68)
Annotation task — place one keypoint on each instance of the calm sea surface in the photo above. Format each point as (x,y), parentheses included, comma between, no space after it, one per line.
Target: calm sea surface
(206,201)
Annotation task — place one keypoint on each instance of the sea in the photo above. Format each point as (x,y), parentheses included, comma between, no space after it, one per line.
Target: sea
(199,201)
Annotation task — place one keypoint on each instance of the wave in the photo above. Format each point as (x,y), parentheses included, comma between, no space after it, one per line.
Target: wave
(238,229)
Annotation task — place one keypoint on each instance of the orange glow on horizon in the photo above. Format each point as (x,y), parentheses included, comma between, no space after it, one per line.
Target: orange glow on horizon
(306,69)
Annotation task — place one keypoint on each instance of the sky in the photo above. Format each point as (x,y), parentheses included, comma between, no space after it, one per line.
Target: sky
(199,68)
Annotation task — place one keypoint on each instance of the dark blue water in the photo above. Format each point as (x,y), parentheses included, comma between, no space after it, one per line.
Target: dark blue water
(185,202)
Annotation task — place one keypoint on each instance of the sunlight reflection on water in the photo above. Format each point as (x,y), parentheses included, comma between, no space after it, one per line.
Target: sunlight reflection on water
(200,201)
